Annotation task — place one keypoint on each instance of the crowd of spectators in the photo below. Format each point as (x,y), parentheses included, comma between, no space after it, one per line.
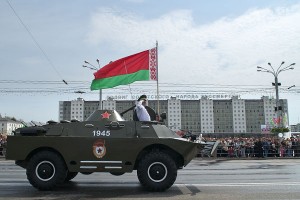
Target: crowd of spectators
(257,147)
(2,144)
(2,139)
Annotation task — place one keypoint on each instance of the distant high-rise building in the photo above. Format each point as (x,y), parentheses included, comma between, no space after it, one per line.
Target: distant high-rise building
(205,115)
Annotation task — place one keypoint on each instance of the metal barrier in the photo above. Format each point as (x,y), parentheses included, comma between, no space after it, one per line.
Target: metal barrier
(216,149)
(210,149)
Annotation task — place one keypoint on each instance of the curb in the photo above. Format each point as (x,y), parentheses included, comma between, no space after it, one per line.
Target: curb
(250,158)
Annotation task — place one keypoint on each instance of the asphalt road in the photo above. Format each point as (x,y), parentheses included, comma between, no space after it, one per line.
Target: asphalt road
(201,179)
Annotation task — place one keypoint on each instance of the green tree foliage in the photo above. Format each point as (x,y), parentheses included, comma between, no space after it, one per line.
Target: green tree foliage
(277,130)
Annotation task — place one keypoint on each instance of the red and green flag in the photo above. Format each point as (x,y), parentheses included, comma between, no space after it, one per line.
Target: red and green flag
(137,67)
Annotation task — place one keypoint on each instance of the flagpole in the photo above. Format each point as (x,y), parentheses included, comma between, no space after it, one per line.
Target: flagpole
(100,91)
(157,88)
(100,99)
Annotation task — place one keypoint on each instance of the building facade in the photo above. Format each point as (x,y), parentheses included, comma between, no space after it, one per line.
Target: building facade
(7,126)
(205,115)
(295,128)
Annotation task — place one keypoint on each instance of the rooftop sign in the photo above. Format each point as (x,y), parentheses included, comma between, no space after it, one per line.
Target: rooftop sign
(178,96)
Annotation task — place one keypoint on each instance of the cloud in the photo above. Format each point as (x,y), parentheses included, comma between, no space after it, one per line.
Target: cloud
(226,51)
(135,1)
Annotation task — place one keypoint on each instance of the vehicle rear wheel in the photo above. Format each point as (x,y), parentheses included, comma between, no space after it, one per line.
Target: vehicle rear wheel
(46,170)
(157,171)
(70,176)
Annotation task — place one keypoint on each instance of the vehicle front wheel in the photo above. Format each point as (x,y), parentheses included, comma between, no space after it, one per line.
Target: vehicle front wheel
(157,171)
(70,176)
(45,170)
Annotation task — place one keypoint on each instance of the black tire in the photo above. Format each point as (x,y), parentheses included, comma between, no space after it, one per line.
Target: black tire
(45,170)
(117,173)
(70,176)
(86,173)
(157,171)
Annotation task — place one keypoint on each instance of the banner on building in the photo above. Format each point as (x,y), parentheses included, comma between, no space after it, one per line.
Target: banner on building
(265,129)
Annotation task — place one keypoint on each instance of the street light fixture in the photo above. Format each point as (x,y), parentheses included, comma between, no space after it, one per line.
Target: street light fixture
(92,67)
(275,74)
(291,87)
(79,92)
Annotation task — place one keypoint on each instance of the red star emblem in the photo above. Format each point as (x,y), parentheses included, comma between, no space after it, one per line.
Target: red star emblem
(99,150)
(105,115)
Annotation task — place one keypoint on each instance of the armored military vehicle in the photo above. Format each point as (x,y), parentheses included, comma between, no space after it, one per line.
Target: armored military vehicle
(56,152)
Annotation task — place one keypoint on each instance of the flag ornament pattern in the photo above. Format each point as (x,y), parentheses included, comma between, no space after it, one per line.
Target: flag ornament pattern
(153,64)
(137,67)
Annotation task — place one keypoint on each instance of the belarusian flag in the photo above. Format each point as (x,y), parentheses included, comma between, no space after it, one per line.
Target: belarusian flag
(138,67)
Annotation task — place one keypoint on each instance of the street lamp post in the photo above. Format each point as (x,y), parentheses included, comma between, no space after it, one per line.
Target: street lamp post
(275,74)
(92,67)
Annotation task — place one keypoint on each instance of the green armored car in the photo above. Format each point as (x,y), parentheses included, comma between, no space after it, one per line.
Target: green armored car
(56,152)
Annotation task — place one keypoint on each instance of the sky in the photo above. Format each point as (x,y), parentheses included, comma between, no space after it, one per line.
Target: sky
(204,47)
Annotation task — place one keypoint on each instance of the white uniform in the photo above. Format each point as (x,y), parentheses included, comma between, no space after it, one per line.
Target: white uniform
(141,111)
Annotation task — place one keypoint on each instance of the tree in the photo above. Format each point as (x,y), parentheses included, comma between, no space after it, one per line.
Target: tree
(277,130)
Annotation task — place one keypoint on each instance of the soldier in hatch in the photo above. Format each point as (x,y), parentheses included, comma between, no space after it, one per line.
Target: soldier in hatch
(141,110)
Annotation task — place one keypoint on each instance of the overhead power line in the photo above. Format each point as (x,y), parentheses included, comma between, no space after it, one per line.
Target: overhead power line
(83,87)
(36,42)
(40,82)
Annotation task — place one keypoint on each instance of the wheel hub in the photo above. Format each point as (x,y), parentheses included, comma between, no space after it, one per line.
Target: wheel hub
(157,172)
(45,171)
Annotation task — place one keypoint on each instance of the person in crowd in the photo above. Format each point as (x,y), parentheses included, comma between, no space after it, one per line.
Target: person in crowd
(230,148)
(282,148)
(248,148)
(224,150)
(258,148)
(289,150)
(272,148)
(243,148)
(236,147)
(295,146)
(266,147)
